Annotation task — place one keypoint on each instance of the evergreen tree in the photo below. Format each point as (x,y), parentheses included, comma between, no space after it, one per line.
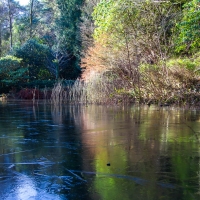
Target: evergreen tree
(68,27)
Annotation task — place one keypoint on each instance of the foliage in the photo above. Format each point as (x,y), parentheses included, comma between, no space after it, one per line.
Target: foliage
(38,83)
(140,32)
(189,28)
(138,40)
(94,61)
(34,56)
(87,25)
(54,23)
(68,24)
(183,63)
(69,29)
(8,63)
(125,47)
(11,71)
(118,18)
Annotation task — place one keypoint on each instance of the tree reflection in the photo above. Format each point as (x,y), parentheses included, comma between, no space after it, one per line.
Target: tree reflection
(147,143)
(65,150)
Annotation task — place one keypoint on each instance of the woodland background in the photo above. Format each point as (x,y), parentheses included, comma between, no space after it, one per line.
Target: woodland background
(124,50)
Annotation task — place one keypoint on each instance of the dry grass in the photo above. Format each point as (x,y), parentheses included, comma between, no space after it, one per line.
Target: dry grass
(174,85)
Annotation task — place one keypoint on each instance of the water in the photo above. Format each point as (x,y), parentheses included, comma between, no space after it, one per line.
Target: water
(98,152)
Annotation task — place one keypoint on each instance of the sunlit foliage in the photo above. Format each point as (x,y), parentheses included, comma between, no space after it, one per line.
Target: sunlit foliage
(189,28)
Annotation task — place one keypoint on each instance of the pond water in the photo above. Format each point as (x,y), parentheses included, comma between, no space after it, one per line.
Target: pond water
(98,152)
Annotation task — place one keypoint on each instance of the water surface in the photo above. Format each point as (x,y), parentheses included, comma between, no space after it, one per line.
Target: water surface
(98,152)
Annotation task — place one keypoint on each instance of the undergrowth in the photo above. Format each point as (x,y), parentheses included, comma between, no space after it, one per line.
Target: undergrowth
(176,81)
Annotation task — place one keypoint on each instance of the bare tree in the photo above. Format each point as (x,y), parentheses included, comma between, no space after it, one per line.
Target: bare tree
(61,59)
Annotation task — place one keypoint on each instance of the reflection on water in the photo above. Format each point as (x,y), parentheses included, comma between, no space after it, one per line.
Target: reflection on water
(98,152)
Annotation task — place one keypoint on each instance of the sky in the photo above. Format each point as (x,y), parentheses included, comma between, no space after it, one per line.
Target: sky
(24,2)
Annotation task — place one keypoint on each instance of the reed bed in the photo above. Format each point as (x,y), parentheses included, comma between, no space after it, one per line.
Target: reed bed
(101,89)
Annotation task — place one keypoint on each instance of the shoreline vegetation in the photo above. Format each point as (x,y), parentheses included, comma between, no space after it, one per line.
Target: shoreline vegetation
(117,52)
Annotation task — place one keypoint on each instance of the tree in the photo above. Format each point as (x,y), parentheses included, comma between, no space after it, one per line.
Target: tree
(188,40)
(135,32)
(34,56)
(31,17)
(148,24)
(10,11)
(34,21)
(3,25)
(10,22)
(69,29)
(13,10)
(60,62)
(87,25)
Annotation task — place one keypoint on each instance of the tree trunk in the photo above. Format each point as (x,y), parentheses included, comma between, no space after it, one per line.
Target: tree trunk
(31,18)
(0,40)
(10,24)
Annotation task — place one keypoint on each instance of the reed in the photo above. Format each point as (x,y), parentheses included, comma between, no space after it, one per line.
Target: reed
(56,94)
(101,89)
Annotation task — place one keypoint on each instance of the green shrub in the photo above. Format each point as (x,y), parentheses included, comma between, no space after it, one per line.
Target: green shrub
(182,63)
(188,40)
(12,73)
(190,63)
(35,56)
(9,63)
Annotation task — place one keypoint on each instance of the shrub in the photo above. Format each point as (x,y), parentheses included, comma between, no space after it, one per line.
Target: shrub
(34,56)
(8,63)
(11,71)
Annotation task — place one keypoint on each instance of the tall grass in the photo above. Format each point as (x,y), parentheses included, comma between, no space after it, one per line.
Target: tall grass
(101,89)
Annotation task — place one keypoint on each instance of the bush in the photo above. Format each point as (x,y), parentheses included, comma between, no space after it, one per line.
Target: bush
(11,71)
(8,63)
(34,56)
